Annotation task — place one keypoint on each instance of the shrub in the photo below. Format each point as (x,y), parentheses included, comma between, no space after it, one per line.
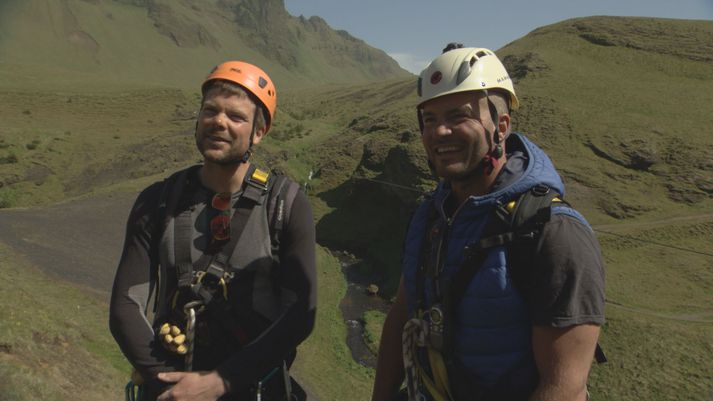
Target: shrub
(10,159)
(8,198)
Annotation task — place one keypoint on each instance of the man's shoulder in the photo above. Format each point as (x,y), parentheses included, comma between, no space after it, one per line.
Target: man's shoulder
(157,193)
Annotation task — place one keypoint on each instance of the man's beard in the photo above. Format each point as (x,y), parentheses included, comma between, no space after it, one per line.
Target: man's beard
(231,158)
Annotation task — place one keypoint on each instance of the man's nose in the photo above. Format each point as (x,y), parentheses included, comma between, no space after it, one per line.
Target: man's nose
(442,129)
(219,120)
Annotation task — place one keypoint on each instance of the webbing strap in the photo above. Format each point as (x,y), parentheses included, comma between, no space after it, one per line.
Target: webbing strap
(171,192)
(426,257)
(216,252)
(282,195)
(473,259)
(440,373)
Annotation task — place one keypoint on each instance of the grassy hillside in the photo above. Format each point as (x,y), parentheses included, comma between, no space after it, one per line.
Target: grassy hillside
(54,339)
(618,103)
(100,44)
(55,343)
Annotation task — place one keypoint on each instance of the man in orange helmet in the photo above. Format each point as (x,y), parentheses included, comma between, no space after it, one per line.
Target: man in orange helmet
(216,285)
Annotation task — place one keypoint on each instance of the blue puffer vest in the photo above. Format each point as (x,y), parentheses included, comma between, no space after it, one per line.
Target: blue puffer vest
(493,336)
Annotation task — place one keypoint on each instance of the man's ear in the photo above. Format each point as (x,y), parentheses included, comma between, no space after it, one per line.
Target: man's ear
(504,125)
(259,134)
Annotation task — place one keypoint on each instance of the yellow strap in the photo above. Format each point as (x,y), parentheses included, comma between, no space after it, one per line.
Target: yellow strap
(438,386)
(431,387)
(440,374)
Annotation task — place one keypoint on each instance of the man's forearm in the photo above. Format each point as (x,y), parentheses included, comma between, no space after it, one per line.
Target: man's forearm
(390,367)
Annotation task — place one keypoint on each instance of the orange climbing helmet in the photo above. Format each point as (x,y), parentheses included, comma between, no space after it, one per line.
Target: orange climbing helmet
(250,77)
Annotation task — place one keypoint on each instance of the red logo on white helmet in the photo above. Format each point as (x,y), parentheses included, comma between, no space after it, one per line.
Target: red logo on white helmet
(436,77)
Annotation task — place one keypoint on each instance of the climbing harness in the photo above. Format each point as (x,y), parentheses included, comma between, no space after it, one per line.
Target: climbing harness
(202,287)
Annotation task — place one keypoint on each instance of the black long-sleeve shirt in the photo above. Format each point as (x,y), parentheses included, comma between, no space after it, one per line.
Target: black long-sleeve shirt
(135,281)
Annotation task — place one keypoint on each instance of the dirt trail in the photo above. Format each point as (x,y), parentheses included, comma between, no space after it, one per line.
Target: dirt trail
(656,223)
(79,241)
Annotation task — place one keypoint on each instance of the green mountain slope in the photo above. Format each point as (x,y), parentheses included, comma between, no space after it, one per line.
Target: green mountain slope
(99,44)
(621,105)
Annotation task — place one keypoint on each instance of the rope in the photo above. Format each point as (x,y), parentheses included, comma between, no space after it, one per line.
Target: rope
(410,338)
(415,335)
(393,185)
(653,242)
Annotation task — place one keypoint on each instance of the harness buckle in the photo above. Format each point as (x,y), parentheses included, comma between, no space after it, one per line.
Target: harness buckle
(540,190)
(259,180)
(210,281)
(435,327)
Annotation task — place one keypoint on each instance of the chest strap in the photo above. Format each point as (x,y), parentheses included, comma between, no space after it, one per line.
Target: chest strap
(213,263)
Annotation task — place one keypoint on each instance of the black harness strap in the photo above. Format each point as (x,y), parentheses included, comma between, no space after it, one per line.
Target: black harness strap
(171,192)
(218,253)
(279,205)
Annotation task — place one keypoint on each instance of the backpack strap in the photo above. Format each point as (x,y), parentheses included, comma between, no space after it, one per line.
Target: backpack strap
(279,206)
(172,188)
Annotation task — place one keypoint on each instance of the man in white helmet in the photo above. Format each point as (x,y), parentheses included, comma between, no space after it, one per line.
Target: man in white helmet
(502,292)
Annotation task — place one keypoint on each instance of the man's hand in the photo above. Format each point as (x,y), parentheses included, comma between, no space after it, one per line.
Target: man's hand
(390,363)
(192,386)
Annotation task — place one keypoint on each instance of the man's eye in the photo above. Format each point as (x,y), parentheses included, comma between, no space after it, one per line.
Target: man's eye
(208,111)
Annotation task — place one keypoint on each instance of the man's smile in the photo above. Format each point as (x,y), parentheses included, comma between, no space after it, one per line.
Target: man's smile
(447,149)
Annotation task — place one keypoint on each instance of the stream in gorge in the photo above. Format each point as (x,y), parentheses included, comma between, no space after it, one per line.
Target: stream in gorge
(355,303)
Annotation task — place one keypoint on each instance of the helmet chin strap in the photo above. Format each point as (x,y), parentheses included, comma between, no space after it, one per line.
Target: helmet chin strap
(249,151)
(492,158)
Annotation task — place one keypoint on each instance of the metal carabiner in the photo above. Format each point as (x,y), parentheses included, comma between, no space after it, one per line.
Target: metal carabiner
(190,312)
(435,327)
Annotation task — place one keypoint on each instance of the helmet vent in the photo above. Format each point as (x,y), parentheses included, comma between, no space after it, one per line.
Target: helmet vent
(262,83)
(481,54)
(465,69)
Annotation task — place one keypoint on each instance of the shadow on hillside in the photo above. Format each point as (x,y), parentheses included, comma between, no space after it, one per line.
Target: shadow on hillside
(369,222)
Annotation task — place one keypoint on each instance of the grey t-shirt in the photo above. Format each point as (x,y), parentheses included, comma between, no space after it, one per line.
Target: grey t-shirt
(567,281)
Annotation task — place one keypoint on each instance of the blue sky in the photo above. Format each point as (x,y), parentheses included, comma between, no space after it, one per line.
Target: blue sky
(415,31)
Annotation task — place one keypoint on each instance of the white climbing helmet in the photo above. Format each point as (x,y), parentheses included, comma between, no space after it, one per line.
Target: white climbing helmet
(463,69)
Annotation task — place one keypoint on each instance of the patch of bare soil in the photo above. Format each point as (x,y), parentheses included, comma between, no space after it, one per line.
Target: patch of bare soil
(79,241)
